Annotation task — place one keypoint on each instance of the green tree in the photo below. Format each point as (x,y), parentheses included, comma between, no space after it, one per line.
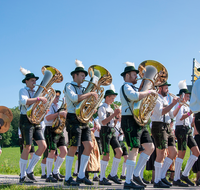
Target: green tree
(6,137)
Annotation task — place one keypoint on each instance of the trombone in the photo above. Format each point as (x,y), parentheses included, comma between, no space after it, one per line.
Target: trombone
(183,103)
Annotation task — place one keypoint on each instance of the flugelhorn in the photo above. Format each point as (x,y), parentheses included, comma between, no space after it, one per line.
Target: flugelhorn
(180,102)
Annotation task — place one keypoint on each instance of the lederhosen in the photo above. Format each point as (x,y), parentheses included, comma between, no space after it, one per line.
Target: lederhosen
(77,132)
(108,137)
(196,166)
(29,130)
(197,121)
(135,134)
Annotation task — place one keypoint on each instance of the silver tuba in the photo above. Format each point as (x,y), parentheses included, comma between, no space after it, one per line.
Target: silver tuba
(153,74)
(37,111)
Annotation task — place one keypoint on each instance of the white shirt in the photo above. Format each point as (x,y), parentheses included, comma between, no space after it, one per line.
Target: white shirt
(53,109)
(42,124)
(96,132)
(19,132)
(195,97)
(157,112)
(102,114)
(184,109)
(71,96)
(118,126)
(24,94)
(131,94)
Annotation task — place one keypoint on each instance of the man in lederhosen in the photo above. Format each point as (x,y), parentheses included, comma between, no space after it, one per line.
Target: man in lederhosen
(162,134)
(29,131)
(135,134)
(184,136)
(54,141)
(77,132)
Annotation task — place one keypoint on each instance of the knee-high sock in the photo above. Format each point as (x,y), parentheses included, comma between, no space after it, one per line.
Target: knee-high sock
(178,164)
(141,162)
(76,167)
(43,168)
(83,165)
(158,167)
(192,159)
(142,171)
(49,166)
(95,175)
(103,169)
(124,169)
(33,162)
(57,164)
(130,164)
(165,167)
(29,161)
(69,163)
(22,165)
(115,165)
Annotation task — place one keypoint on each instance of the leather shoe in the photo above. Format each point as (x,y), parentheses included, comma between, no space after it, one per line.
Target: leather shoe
(104,182)
(84,180)
(31,176)
(96,178)
(61,176)
(145,181)
(57,176)
(197,182)
(179,183)
(132,185)
(160,184)
(43,176)
(114,179)
(71,182)
(186,179)
(122,177)
(25,180)
(75,174)
(164,180)
(51,179)
(139,181)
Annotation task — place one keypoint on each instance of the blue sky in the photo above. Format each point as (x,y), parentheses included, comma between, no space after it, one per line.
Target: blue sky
(106,33)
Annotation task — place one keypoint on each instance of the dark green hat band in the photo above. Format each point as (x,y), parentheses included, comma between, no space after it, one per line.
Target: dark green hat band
(165,84)
(29,76)
(79,69)
(186,91)
(129,69)
(110,92)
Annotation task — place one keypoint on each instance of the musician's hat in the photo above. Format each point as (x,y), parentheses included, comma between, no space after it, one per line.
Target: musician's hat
(129,67)
(165,84)
(28,75)
(183,88)
(111,91)
(79,68)
(58,91)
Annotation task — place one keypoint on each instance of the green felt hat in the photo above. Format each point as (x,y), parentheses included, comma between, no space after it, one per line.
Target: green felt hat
(186,91)
(79,69)
(29,76)
(165,84)
(58,91)
(110,92)
(129,69)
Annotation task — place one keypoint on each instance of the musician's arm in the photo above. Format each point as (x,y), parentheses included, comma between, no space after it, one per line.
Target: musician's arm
(82,97)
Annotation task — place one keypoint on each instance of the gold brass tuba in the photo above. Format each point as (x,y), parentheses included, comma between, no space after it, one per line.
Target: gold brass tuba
(152,74)
(6,117)
(37,111)
(86,108)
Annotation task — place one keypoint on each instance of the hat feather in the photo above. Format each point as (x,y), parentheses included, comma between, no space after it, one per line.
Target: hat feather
(112,87)
(182,84)
(24,71)
(79,63)
(129,64)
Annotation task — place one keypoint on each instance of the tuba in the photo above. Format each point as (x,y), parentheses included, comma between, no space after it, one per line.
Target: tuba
(37,111)
(153,74)
(6,117)
(86,108)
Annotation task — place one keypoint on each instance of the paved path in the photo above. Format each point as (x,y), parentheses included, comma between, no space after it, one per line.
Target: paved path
(14,179)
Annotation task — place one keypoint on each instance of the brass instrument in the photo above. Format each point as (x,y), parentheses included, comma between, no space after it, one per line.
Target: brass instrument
(37,111)
(59,122)
(86,108)
(153,74)
(6,117)
(180,102)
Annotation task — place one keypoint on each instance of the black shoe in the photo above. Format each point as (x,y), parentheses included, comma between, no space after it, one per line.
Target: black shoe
(152,182)
(43,176)
(197,182)
(164,180)
(57,176)
(145,181)
(84,180)
(71,182)
(160,184)
(74,174)
(96,178)
(132,185)
(25,180)
(51,179)
(170,179)
(139,181)
(186,179)
(104,182)
(114,179)
(179,183)
(122,177)
(61,176)
(31,176)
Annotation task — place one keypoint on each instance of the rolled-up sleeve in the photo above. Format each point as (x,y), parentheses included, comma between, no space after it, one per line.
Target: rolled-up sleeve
(23,97)
(69,91)
(101,114)
(131,93)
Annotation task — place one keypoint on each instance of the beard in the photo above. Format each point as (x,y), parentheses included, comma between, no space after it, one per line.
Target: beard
(163,93)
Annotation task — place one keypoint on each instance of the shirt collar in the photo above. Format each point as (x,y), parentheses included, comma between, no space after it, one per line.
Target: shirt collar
(75,83)
(27,88)
(106,105)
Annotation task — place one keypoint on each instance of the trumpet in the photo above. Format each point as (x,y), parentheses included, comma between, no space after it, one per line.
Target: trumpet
(180,102)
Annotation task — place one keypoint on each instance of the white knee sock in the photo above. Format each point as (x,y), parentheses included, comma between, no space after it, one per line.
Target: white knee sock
(130,164)
(95,175)
(192,159)
(103,169)
(22,165)
(158,167)
(115,165)
(49,166)
(167,163)
(57,164)
(76,167)
(178,164)
(83,165)
(33,162)
(69,163)
(124,169)
(142,171)
(43,168)
(29,161)
(141,162)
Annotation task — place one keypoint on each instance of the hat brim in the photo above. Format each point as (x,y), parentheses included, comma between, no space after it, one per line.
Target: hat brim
(122,74)
(83,71)
(24,80)
(110,94)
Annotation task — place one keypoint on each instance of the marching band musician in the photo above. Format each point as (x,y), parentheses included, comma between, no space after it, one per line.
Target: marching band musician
(108,137)
(77,132)
(162,134)
(54,141)
(184,136)
(135,135)
(29,131)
